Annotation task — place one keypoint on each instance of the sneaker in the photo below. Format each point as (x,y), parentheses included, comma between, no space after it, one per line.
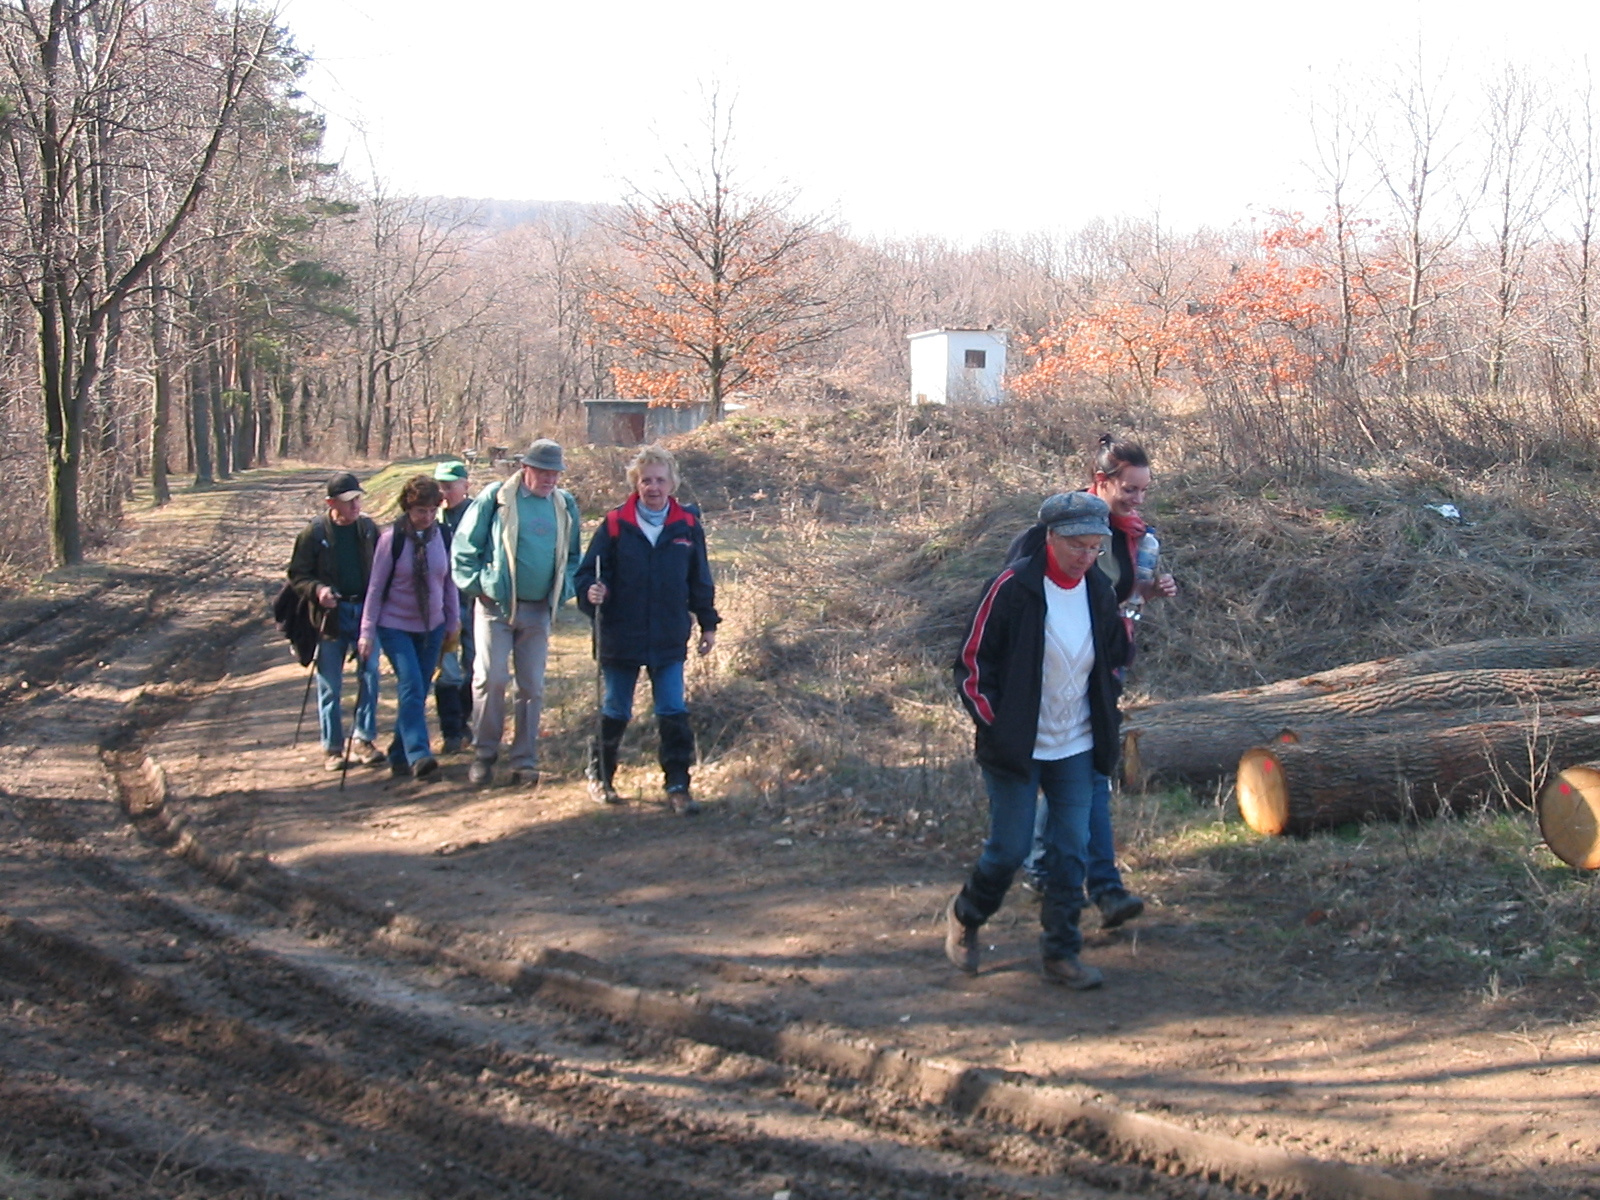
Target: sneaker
(1116,908)
(960,940)
(428,766)
(452,745)
(334,761)
(367,755)
(682,801)
(524,777)
(1069,972)
(480,772)
(603,793)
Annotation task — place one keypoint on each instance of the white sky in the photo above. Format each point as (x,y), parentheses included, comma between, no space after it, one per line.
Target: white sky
(934,118)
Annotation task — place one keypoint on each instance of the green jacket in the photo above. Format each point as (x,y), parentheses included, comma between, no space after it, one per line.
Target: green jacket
(484,558)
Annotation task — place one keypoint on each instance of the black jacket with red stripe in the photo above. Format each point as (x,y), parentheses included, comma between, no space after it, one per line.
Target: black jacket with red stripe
(999,670)
(645,621)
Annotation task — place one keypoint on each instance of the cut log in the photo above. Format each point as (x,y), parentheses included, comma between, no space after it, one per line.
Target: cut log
(1493,654)
(1413,768)
(1569,816)
(1201,738)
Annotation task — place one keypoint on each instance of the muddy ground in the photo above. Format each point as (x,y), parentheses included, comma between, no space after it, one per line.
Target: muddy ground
(168,1031)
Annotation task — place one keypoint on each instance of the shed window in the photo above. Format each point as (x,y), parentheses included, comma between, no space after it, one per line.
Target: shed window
(977,358)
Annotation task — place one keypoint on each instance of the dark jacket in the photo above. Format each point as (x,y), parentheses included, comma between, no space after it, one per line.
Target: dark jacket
(297,619)
(999,670)
(312,564)
(653,590)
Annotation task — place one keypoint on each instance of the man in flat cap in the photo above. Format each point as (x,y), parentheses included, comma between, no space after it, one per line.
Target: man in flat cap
(515,555)
(329,568)
(1037,674)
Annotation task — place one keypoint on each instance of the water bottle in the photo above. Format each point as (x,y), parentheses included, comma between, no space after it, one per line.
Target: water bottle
(1146,554)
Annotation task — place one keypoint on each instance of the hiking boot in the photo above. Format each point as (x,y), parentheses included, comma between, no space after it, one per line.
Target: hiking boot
(524,777)
(1117,908)
(334,761)
(399,770)
(480,772)
(367,755)
(682,801)
(452,745)
(428,766)
(1069,972)
(960,940)
(603,793)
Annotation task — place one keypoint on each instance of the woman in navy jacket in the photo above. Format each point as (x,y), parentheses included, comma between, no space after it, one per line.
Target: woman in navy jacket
(645,575)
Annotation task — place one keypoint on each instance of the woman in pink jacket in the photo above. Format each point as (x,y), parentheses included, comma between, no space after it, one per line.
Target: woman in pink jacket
(412,609)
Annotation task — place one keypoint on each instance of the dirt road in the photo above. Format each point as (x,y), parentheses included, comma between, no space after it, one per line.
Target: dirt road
(227,977)
(162,1034)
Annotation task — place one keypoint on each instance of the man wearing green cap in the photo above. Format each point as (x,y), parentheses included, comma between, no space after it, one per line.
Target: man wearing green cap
(452,691)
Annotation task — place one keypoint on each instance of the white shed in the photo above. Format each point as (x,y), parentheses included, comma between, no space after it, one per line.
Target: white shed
(957,366)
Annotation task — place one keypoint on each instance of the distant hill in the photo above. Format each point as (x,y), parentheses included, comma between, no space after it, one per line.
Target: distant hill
(500,215)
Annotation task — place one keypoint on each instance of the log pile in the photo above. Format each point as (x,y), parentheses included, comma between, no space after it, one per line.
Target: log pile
(1200,739)
(1398,738)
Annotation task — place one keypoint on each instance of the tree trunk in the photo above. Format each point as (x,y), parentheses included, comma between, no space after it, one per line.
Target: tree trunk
(161,398)
(1415,768)
(1202,738)
(1569,816)
(200,421)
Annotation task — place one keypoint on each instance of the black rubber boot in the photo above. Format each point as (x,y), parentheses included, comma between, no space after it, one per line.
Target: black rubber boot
(454,704)
(603,759)
(676,757)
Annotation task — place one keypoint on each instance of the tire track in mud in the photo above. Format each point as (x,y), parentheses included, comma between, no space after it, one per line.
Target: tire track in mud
(168,1037)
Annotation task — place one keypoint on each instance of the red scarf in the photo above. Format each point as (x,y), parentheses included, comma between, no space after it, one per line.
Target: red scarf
(1054,573)
(1132,528)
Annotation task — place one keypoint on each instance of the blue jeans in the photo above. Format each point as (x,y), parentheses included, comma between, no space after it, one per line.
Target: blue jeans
(331,653)
(1103,877)
(413,657)
(1068,786)
(666,690)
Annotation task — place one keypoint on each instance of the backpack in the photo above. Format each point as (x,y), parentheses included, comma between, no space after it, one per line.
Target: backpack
(396,545)
(291,613)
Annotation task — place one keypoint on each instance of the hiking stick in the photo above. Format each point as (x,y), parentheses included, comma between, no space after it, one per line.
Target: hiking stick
(599,682)
(349,739)
(311,674)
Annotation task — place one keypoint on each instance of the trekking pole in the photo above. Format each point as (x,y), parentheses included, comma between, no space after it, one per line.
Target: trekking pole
(349,738)
(311,674)
(599,680)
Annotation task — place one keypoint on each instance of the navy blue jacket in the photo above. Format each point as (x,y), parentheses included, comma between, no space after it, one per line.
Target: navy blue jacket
(653,590)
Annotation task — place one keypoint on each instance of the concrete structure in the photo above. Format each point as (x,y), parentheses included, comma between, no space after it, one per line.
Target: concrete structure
(636,423)
(957,366)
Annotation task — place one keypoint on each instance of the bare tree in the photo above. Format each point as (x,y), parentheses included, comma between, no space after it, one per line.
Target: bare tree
(1516,195)
(1416,159)
(730,285)
(81,68)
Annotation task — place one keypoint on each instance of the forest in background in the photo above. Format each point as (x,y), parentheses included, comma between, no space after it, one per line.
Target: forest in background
(190,290)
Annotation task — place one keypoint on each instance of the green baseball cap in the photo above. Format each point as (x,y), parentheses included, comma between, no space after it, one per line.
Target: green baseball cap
(447,472)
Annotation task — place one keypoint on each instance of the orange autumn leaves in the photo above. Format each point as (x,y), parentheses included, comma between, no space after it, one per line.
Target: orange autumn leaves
(723,292)
(1257,331)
